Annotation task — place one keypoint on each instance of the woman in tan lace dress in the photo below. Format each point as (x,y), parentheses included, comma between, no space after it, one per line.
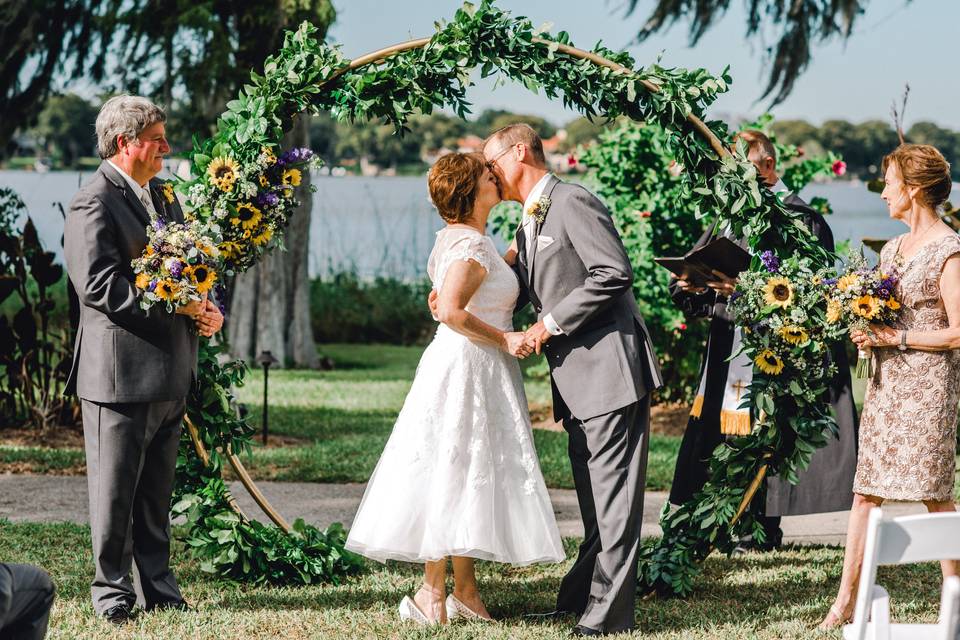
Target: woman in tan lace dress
(908,429)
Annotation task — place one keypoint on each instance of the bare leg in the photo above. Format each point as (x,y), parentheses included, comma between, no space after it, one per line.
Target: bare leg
(949,567)
(429,599)
(842,607)
(465,586)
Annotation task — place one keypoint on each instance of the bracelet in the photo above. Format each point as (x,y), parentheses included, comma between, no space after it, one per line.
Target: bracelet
(903,341)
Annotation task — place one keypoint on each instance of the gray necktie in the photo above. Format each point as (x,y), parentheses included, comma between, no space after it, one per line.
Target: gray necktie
(148,202)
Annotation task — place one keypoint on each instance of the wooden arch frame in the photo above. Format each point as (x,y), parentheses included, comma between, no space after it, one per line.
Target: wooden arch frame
(377,57)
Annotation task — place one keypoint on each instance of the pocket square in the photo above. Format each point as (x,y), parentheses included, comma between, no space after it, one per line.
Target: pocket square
(543,242)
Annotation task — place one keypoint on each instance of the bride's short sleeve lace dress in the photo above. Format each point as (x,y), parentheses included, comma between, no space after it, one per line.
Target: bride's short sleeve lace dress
(459,475)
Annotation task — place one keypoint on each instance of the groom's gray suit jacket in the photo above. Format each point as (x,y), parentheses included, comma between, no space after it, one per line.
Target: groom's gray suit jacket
(122,353)
(579,272)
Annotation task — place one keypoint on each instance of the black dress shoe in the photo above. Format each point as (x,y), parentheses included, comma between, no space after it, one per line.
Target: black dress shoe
(580,631)
(175,605)
(119,614)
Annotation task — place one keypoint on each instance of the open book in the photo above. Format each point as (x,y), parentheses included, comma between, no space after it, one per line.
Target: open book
(698,264)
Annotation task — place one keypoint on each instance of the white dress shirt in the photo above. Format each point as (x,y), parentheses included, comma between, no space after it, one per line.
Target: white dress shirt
(529,228)
(141,192)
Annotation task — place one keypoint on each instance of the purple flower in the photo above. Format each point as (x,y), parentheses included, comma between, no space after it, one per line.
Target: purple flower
(176,268)
(735,295)
(158,224)
(770,261)
(153,285)
(830,281)
(297,155)
(267,199)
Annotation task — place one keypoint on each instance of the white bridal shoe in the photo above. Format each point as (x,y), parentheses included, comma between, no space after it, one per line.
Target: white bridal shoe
(456,609)
(410,611)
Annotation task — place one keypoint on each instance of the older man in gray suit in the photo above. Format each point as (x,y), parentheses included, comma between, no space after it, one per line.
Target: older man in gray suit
(132,368)
(573,265)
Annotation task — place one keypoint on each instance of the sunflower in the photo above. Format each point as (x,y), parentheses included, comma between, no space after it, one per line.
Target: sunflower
(267,152)
(202,276)
(168,192)
(291,177)
(849,281)
(263,237)
(892,304)
(230,249)
(149,250)
(248,216)
(834,309)
(223,172)
(794,335)
(778,292)
(143,281)
(866,307)
(769,362)
(166,290)
(263,181)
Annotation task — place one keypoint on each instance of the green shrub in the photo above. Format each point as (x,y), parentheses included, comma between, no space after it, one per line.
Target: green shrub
(344,308)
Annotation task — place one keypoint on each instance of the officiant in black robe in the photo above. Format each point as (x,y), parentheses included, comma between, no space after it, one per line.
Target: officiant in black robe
(827,484)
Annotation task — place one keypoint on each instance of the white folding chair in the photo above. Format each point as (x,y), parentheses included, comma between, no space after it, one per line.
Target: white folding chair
(905,540)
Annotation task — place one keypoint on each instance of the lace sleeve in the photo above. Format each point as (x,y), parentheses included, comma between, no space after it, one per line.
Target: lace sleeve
(947,249)
(473,247)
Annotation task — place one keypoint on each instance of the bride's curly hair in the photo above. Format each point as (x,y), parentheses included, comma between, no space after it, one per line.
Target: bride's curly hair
(453,181)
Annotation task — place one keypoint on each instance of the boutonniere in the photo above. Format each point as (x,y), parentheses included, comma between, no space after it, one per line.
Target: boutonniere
(538,210)
(168,192)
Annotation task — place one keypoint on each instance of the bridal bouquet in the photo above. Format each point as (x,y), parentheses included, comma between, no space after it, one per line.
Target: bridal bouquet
(781,310)
(247,204)
(859,296)
(179,264)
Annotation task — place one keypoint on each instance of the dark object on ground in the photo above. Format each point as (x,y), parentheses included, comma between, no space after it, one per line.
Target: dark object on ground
(26,595)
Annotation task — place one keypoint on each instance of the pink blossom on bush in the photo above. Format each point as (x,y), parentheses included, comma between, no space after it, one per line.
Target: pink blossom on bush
(839,168)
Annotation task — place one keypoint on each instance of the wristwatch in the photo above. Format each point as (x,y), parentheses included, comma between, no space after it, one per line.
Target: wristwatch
(903,341)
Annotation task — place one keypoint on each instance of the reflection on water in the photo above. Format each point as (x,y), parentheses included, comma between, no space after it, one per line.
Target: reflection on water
(386,226)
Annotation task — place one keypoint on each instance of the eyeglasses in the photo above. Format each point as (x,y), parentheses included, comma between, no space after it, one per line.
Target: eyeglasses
(491,163)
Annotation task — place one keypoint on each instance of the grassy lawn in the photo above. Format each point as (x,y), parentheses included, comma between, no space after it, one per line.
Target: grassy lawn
(772,596)
(345,417)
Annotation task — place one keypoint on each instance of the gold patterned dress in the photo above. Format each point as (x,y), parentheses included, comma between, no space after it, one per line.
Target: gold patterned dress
(908,430)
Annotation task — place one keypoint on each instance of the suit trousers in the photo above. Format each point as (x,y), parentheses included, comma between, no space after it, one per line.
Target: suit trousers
(609,458)
(131,459)
(26,595)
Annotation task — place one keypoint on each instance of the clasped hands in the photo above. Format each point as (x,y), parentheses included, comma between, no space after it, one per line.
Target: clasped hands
(521,344)
(205,314)
(877,335)
(724,285)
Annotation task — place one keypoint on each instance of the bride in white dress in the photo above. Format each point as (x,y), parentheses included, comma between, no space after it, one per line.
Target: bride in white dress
(459,477)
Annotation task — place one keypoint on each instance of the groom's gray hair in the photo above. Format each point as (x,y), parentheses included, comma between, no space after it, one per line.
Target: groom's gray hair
(125,116)
(518,133)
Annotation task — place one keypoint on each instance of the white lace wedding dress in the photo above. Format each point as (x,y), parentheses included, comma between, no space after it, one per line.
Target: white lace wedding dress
(459,475)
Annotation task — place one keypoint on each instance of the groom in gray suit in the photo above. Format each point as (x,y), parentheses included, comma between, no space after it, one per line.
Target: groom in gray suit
(132,369)
(573,265)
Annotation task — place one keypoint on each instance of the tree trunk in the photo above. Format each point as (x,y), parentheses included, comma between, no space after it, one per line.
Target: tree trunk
(270,303)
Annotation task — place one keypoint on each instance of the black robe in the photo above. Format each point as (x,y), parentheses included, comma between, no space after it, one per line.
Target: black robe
(827,484)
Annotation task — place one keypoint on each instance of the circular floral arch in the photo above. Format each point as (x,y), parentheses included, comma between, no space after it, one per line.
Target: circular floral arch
(242,174)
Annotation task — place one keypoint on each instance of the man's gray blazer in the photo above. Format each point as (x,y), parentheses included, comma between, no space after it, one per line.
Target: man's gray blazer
(579,272)
(122,353)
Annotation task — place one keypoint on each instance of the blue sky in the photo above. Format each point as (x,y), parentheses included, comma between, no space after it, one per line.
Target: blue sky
(893,43)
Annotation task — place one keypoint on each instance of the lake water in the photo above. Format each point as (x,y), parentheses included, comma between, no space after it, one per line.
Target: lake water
(385,226)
